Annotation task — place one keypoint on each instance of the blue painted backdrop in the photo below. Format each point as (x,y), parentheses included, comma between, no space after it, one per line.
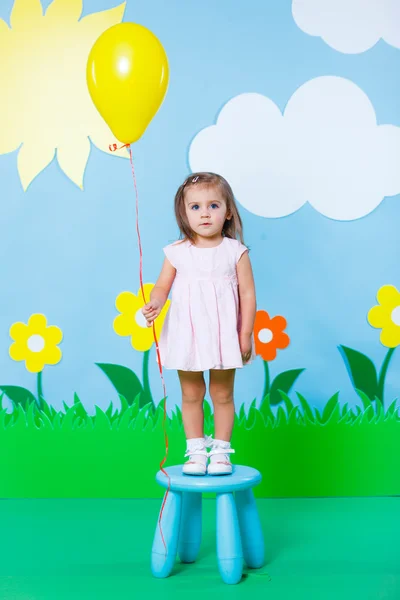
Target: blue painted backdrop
(68,253)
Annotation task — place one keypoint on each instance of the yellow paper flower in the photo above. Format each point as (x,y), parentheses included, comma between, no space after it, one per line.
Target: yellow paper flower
(132,322)
(386,315)
(44,101)
(36,343)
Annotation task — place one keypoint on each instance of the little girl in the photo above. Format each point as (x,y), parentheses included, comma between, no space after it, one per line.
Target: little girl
(210,322)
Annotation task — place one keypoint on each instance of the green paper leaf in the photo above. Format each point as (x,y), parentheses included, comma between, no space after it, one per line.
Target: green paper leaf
(47,410)
(251,415)
(306,407)
(281,417)
(102,422)
(265,409)
(330,407)
(287,402)
(30,414)
(378,406)
(365,400)
(125,382)
(127,417)
(362,371)
(368,415)
(68,419)
(392,408)
(80,410)
(283,382)
(124,403)
(18,395)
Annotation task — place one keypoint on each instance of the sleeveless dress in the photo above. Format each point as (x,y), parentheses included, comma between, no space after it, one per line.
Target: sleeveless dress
(201,327)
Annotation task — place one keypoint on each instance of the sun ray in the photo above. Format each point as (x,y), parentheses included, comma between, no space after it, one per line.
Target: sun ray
(4,32)
(32,159)
(65,10)
(25,14)
(72,157)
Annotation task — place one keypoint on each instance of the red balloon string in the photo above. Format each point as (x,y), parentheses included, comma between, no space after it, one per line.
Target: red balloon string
(157,348)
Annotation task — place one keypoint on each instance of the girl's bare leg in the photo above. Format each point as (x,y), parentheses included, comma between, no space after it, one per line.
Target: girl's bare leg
(193,392)
(221,392)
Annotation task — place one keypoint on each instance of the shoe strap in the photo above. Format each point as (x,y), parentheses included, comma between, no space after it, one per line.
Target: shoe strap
(217,450)
(198,451)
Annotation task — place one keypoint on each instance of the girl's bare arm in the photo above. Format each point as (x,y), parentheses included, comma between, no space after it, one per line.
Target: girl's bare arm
(248,307)
(160,292)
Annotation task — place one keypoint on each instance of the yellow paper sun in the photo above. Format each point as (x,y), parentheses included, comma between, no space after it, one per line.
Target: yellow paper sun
(44,100)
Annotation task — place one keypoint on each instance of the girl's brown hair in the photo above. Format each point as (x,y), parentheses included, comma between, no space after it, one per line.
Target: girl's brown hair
(232,228)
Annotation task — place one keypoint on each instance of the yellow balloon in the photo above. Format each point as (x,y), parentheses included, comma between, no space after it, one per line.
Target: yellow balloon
(127,75)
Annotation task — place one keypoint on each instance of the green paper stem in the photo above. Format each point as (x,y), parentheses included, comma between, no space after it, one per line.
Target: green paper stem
(266,379)
(383,372)
(39,389)
(146,379)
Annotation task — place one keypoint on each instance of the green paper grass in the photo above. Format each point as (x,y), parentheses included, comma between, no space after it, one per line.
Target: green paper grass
(299,451)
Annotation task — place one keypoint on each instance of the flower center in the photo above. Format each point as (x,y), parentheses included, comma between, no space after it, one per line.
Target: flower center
(396,316)
(140,320)
(265,336)
(36,343)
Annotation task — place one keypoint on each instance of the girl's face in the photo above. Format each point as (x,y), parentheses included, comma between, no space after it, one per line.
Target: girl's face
(206,211)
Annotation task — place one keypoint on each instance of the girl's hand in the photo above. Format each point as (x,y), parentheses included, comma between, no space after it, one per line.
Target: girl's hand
(151,310)
(245,346)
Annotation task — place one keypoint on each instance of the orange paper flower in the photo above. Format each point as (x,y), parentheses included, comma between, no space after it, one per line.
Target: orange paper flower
(269,335)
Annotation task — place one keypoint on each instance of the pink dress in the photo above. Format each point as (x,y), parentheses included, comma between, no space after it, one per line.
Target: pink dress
(201,328)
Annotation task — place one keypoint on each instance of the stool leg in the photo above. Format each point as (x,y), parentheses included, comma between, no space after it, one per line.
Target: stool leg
(229,546)
(190,532)
(250,529)
(162,563)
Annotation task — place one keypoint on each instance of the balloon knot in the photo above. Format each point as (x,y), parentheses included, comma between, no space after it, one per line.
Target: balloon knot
(115,147)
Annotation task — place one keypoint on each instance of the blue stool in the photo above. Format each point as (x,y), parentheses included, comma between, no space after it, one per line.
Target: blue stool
(239,533)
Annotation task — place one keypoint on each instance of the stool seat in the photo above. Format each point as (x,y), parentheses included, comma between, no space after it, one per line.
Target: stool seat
(239,533)
(242,478)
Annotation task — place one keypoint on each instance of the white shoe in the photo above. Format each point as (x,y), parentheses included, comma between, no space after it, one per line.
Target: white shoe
(197,453)
(220,463)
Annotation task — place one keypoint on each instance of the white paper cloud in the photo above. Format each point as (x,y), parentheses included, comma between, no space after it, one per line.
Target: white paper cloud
(326,150)
(350,26)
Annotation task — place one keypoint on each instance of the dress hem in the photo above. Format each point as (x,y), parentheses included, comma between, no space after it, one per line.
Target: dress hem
(215,368)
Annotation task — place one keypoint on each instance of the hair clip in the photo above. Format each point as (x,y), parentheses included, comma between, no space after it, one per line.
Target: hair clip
(195,179)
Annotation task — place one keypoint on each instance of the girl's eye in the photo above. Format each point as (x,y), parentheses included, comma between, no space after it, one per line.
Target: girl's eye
(214,205)
(195,207)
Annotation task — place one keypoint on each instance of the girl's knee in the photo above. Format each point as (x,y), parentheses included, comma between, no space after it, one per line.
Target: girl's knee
(221,396)
(221,386)
(193,388)
(194,394)
(192,398)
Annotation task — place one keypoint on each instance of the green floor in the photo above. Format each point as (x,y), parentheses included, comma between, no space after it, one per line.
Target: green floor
(93,549)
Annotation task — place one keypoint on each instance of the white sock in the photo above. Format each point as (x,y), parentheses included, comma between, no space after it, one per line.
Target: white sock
(220,457)
(194,444)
